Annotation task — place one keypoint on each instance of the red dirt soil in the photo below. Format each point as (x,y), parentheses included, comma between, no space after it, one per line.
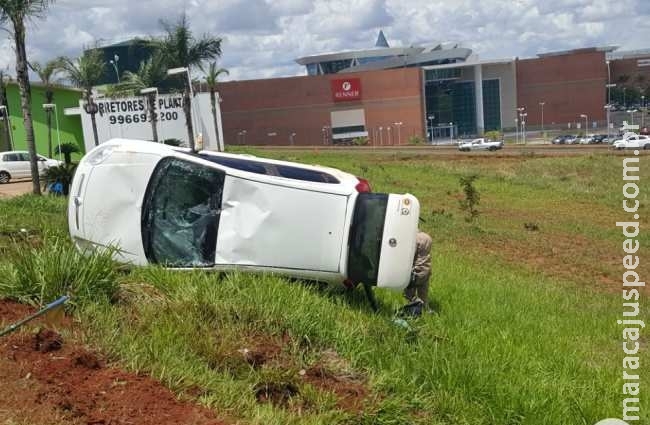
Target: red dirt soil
(47,380)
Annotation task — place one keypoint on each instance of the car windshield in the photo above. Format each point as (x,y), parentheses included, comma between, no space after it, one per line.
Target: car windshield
(365,237)
(180,215)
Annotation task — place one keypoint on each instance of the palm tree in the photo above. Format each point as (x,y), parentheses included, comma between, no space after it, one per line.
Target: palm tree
(211,77)
(5,115)
(179,48)
(16,12)
(86,72)
(67,149)
(46,73)
(151,73)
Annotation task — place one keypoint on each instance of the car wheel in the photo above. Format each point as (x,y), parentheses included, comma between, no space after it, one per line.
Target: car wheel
(4,177)
(492,148)
(646,146)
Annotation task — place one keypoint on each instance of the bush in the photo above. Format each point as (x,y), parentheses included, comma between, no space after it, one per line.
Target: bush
(493,135)
(416,140)
(472,197)
(67,149)
(39,276)
(62,174)
(360,141)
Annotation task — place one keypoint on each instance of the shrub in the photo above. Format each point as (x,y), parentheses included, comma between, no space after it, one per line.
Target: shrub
(416,140)
(472,196)
(360,141)
(67,149)
(39,276)
(62,174)
(493,135)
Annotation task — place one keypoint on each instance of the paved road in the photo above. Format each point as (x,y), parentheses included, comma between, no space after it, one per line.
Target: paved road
(15,188)
(450,150)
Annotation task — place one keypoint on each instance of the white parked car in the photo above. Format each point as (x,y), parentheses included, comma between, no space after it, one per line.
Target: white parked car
(165,205)
(15,165)
(586,140)
(632,141)
(480,144)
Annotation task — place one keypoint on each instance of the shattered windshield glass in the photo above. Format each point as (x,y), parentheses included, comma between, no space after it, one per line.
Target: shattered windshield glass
(181,214)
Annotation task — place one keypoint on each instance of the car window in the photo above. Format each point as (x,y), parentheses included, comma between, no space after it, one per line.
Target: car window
(11,157)
(23,157)
(257,167)
(366,235)
(180,217)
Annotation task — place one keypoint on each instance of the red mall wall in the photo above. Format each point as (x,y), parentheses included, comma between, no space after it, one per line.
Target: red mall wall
(271,110)
(569,85)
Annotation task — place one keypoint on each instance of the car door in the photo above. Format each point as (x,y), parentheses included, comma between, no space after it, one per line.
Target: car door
(11,162)
(382,239)
(21,165)
(278,223)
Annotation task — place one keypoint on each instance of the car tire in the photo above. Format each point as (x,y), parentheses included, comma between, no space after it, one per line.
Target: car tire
(5,177)
(646,146)
(492,148)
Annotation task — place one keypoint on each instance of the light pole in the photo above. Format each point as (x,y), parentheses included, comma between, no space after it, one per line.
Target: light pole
(608,107)
(586,123)
(154,118)
(185,70)
(325,131)
(542,106)
(390,138)
(643,111)
(516,131)
(399,136)
(50,106)
(431,118)
(631,112)
(10,130)
(520,112)
(381,136)
(114,62)
(451,133)
(523,126)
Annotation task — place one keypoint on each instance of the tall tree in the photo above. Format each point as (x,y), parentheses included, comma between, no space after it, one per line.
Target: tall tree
(85,72)
(16,12)
(211,78)
(47,74)
(150,73)
(179,48)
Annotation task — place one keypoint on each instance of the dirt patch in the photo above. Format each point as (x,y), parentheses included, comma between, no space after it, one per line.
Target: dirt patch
(350,392)
(46,379)
(277,393)
(47,340)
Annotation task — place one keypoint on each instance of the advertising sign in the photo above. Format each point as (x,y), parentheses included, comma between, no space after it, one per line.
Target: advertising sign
(346,89)
(129,118)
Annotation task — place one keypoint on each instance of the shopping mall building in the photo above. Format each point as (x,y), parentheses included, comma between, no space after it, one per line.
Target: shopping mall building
(390,94)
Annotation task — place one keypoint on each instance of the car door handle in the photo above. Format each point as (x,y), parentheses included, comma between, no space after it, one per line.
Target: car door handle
(77,204)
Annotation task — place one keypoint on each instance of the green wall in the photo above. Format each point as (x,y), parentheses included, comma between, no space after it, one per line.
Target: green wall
(69,126)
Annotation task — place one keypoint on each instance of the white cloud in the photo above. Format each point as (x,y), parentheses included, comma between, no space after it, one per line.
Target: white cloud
(263,37)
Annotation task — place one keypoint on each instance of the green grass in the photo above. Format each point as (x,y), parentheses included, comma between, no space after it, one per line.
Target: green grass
(513,342)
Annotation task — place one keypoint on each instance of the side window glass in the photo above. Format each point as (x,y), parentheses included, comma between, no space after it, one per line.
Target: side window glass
(181,214)
(24,157)
(11,157)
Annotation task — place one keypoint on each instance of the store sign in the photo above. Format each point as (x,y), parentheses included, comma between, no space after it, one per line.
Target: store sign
(130,118)
(346,89)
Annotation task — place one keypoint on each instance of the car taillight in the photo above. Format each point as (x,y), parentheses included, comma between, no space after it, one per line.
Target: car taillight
(363,185)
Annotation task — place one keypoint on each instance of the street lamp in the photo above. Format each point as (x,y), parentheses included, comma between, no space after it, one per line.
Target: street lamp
(451,133)
(325,131)
(624,101)
(114,62)
(431,118)
(150,90)
(9,128)
(586,123)
(390,138)
(185,70)
(399,136)
(381,136)
(643,111)
(291,136)
(608,107)
(49,107)
(542,105)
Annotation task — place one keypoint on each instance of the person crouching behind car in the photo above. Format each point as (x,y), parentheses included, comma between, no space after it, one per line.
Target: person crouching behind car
(417,293)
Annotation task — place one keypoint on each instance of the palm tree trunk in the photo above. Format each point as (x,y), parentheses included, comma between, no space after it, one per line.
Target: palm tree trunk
(26,101)
(187,109)
(48,115)
(213,101)
(151,101)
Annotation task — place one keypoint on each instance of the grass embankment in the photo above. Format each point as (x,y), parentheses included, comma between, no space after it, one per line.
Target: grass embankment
(526,330)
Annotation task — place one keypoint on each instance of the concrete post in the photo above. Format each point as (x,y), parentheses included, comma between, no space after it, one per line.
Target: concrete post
(478,89)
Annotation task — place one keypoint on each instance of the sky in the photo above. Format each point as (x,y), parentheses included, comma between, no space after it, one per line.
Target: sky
(261,38)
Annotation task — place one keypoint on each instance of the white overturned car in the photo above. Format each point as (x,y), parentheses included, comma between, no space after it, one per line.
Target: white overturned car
(480,144)
(164,205)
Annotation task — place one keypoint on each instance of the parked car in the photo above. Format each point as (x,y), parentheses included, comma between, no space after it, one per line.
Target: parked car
(632,141)
(560,140)
(480,144)
(163,205)
(15,165)
(599,138)
(586,140)
(571,140)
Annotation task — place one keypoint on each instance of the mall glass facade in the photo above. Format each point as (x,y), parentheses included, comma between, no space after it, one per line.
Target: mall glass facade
(453,103)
